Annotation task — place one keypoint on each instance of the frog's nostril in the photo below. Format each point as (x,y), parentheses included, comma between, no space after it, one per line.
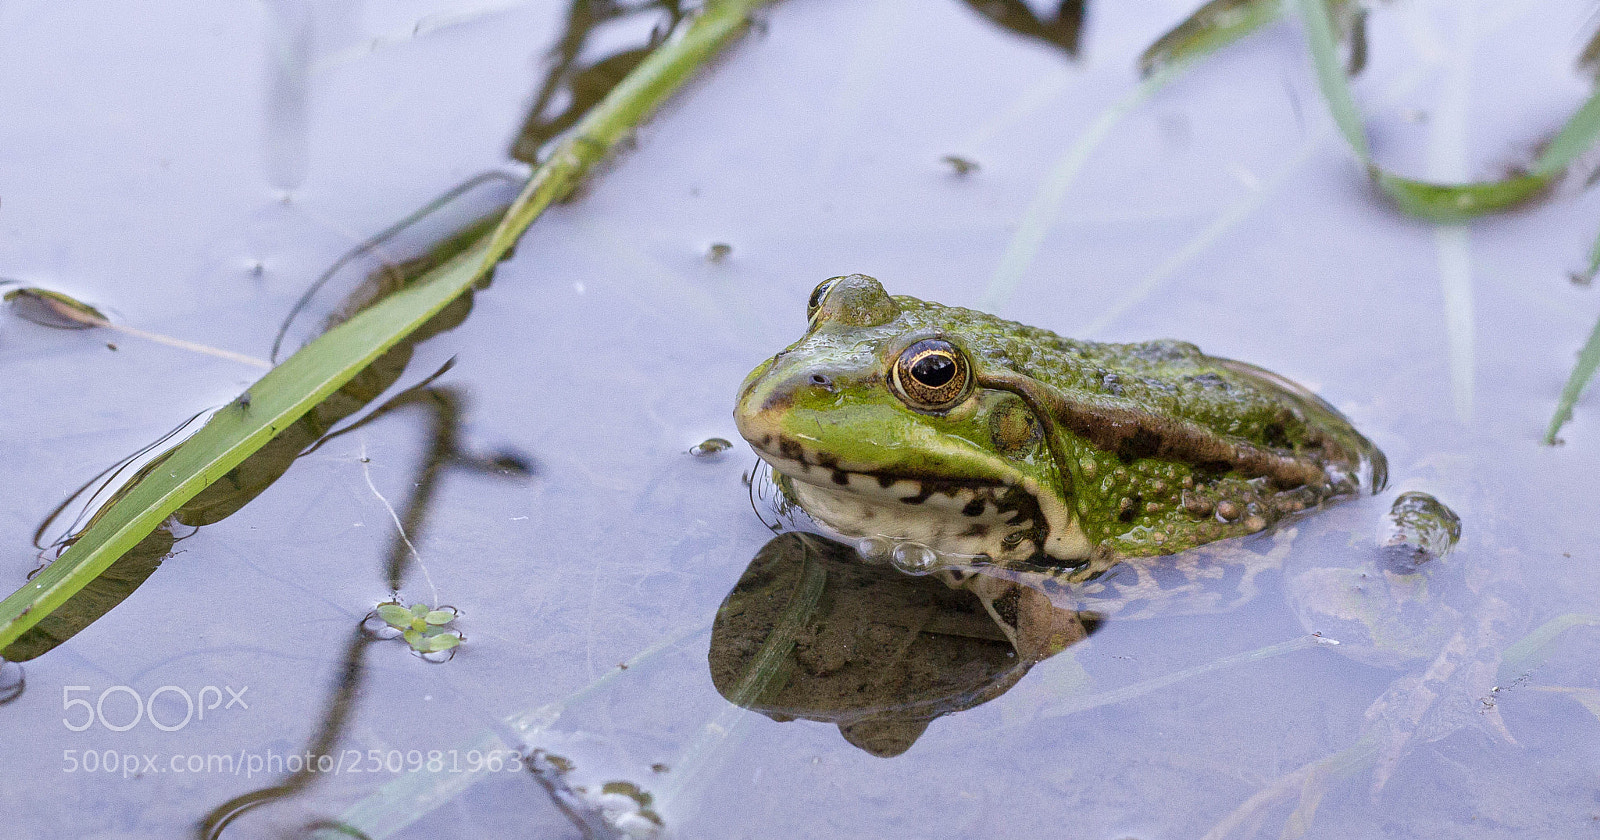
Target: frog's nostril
(823,382)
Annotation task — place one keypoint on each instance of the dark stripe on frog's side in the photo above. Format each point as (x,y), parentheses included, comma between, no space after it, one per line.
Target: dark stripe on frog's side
(828,462)
(792,450)
(923,494)
(1113,425)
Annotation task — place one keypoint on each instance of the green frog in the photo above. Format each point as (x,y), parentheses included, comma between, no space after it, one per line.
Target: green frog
(966,436)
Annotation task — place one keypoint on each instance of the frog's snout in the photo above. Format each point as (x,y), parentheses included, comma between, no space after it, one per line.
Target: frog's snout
(772,392)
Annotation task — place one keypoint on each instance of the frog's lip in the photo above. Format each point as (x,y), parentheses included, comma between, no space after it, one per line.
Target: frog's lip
(793,459)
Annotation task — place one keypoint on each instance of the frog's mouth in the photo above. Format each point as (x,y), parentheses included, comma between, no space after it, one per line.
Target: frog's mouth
(978,516)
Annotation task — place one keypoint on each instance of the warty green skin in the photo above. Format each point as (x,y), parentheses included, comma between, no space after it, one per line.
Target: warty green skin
(1066,455)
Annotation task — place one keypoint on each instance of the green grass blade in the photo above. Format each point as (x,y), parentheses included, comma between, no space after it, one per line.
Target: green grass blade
(1594,263)
(1452,203)
(294,387)
(1331,77)
(1446,203)
(1574,138)
(277,400)
(1582,372)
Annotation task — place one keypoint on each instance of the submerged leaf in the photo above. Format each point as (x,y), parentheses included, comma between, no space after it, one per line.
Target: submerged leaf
(1061,31)
(578,86)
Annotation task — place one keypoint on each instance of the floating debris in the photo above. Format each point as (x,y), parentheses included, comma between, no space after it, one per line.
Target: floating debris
(962,167)
(64,312)
(617,810)
(710,447)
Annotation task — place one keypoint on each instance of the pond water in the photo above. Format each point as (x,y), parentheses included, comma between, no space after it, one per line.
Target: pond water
(191,170)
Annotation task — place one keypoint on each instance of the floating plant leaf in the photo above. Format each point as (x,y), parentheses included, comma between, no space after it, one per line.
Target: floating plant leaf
(1454,203)
(395,615)
(961,166)
(440,642)
(54,309)
(195,466)
(710,446)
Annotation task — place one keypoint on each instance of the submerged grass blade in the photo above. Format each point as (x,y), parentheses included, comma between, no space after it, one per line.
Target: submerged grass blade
(1212,27)
(1318,20)
(1593,266)
(1532,650)
(291,389)
(1588,697)
(1446,203)
(1582,372)
(402,801)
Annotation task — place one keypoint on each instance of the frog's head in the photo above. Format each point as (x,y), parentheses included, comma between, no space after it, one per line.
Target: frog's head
(877,420)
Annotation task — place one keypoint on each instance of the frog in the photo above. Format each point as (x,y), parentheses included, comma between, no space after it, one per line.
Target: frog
(1006,446)
(1048,475)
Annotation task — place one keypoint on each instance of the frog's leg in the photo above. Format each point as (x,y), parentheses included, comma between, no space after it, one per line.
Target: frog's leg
(1453,692)
(1036,628)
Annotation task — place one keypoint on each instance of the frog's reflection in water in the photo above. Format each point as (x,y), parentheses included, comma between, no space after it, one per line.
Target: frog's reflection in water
(810,631)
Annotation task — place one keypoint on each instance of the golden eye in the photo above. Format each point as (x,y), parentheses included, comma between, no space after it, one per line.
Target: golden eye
(932,375)
(817,296)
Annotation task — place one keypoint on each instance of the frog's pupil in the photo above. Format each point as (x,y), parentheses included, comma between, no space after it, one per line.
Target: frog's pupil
(934,370)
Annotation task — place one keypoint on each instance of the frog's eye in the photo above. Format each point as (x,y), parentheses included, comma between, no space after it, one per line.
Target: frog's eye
(932,375)
(817,296)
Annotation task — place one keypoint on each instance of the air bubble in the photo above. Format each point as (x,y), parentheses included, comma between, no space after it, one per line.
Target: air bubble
(874,549)
(914,558)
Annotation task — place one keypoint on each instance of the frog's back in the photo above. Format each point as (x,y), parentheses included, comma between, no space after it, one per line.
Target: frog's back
(1162,379)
